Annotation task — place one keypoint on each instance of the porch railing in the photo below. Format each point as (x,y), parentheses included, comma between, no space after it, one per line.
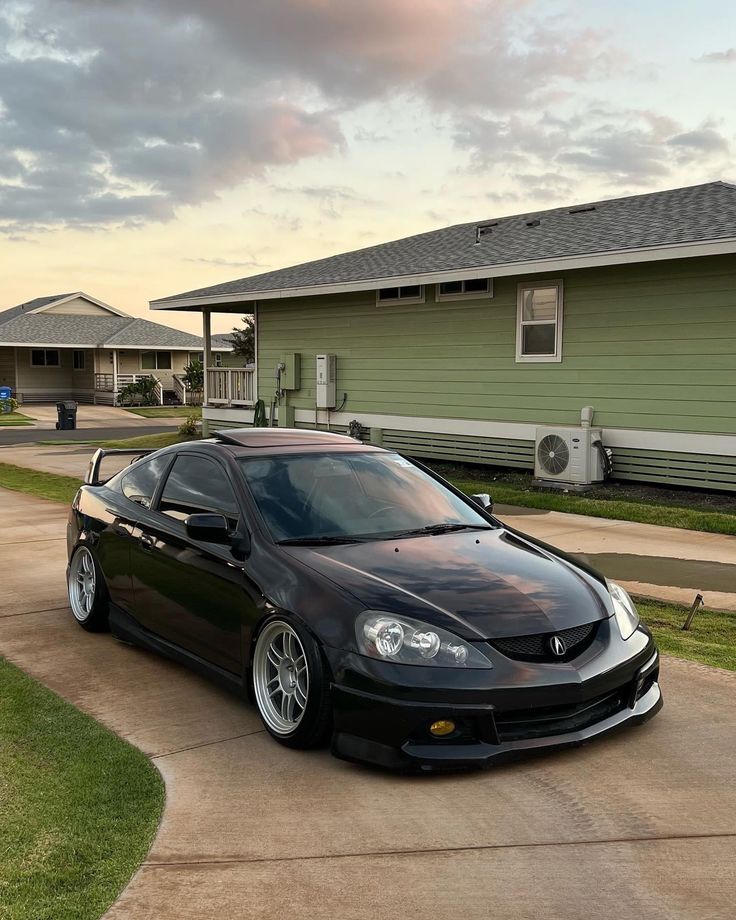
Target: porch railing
(185,394)
(104,382)
(230,386)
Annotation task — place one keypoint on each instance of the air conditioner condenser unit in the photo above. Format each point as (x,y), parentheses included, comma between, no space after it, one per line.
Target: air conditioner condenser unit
(568,458)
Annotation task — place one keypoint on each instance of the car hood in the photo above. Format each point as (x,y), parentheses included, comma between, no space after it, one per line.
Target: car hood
(481,584)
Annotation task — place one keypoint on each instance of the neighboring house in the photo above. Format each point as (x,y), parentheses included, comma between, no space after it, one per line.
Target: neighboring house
(225,356)
(459,343)
(73,346)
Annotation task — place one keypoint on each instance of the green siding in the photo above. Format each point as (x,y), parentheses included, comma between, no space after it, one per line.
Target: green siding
(651,346)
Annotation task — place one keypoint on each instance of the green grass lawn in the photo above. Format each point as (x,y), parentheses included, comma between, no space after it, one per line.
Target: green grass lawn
(145,440)
(8,419)
(709,512)
(54,487)
(166,411)
(711,638)
(79,807)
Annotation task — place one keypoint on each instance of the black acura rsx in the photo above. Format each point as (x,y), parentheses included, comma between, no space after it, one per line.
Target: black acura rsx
(355,595)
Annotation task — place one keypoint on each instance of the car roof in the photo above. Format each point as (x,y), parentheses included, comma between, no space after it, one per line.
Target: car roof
(281,437)
(254,442)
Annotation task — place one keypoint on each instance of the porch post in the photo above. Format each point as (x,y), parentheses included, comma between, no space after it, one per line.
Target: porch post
(207,336)
(114,376)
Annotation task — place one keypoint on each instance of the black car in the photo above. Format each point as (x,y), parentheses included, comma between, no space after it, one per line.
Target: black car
(354,594)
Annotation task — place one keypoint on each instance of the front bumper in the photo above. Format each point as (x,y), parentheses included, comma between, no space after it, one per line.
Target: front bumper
(391,729)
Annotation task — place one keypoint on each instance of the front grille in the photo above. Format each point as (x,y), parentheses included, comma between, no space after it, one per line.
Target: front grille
(557,720)
(537,647)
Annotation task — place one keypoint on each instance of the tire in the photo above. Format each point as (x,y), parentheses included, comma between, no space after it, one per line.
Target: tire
(87,591)
(290,684)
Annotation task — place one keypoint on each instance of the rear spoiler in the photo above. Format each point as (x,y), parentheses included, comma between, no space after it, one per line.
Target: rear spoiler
(92,477)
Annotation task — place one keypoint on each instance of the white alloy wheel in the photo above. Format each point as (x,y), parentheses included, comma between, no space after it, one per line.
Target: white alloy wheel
(82,584)
(280,677)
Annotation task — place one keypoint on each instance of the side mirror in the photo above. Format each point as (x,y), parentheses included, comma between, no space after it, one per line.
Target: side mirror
(208,528)
(484,500)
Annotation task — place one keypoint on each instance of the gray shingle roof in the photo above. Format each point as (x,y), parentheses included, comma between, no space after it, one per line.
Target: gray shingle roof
(698,213)
(222,341)
(30,305)
(92,331)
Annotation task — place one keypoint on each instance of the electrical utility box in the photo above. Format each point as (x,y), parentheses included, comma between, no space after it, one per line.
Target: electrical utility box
(291,374)
(326,372)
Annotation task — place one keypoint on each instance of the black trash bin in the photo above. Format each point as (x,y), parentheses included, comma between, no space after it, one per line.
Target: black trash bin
(67,413)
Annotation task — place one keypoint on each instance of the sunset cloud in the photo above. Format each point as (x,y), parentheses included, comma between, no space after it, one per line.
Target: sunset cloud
(124,113)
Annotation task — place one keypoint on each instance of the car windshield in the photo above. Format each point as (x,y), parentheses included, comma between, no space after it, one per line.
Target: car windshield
(352,496)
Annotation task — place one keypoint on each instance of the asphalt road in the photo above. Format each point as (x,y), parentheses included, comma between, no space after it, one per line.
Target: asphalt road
(640,824)
(22,435)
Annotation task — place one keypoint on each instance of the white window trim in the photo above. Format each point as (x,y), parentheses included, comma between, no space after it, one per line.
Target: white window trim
(473,295)
(156,352)
(420,299)
(45,364)
(539,359)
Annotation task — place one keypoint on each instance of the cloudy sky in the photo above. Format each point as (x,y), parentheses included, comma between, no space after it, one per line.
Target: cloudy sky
(148,147)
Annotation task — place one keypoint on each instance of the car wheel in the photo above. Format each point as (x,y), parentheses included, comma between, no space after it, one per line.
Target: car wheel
(87,592)
(290,685)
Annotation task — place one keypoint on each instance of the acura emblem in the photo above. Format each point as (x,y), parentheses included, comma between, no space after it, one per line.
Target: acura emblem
(557,646)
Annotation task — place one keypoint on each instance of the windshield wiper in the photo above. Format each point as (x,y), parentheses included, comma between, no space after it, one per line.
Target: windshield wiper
(318,541)
(432,529)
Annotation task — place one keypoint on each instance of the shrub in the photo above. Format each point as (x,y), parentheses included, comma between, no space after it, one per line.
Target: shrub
(8,405)
(188,428)
(140,393)
(194,374)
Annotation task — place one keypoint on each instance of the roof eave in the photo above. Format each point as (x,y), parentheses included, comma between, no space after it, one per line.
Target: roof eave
(535,266)
(109,346)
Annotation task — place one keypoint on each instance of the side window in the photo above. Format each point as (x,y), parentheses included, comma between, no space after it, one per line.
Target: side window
(139,482)
(539,322)
(196,485)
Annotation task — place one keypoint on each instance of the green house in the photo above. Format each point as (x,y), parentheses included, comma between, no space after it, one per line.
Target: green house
(462,343)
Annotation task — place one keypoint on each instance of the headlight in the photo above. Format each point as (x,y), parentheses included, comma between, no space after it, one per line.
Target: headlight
(623,609)
(407,641)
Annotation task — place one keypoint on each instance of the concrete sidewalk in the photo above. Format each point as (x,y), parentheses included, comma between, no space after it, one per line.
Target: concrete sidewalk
(639,824)
(659,562)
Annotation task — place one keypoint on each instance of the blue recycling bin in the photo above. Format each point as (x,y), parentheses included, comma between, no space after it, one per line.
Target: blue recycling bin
(5,395)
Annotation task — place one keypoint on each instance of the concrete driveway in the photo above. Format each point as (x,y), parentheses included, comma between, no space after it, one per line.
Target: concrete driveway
(642,824)
(45,417)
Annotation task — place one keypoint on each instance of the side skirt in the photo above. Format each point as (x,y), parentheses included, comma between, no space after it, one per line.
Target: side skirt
(127,629)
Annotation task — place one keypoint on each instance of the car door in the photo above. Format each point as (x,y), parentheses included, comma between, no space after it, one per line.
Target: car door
(120,509)
(189,592)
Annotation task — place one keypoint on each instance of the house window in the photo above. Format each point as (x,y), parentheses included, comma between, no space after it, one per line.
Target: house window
(44,357)
(156,360)
(78,359)
(218,359)
(539,322)
(471,288)
(409,293)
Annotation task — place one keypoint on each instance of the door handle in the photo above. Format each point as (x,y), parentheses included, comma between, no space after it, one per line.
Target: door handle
(147,542)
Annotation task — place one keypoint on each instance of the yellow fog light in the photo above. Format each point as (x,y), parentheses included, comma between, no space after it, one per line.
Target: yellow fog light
(442,727)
